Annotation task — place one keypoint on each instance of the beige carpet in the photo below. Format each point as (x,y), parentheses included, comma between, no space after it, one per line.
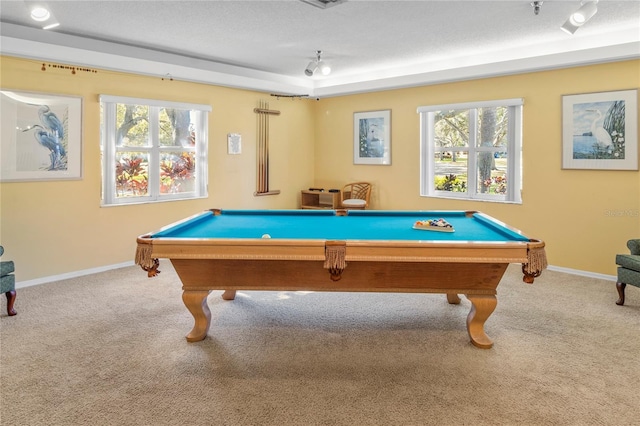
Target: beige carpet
(109,349)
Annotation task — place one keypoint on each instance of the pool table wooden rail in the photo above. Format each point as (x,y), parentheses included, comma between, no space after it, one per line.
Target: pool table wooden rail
(282,249)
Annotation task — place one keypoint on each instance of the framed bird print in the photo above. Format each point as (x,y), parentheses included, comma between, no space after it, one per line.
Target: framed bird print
(372,137)
(600,131)
(40,137)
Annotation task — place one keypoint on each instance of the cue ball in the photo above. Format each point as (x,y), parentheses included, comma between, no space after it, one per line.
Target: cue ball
(266,236)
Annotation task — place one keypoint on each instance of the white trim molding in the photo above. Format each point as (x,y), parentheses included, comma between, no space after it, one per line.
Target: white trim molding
(26,42)
(69,275)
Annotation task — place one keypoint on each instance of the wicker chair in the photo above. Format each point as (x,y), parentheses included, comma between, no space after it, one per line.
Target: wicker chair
(628,269)
(8,282)
(356,195)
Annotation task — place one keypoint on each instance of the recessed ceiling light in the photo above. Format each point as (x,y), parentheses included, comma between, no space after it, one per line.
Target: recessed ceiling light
(40,14)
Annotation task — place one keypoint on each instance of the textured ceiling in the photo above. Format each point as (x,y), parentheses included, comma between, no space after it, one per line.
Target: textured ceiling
(358,37)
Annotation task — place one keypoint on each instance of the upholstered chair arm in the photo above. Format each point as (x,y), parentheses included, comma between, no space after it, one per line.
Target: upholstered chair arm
(634,246)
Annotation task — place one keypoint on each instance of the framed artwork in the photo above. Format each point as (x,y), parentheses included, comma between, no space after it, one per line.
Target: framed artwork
(600,131)
(372,137)
(41,136)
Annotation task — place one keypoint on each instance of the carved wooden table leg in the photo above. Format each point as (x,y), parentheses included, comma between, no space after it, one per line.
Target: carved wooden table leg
(453,298)
(196,302)
(482,306)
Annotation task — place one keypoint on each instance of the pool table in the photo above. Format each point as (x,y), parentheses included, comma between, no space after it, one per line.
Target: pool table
(340,250)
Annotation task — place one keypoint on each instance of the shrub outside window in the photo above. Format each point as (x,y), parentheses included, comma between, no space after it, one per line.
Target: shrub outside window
(472,150)
(152,150)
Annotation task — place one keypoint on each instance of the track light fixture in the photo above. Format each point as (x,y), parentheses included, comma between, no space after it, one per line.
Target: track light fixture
(317,64)
(587,9)
(323,4)
(537,5)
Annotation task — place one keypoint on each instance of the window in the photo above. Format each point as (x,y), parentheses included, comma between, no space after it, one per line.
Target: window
(472,150)
(152,150)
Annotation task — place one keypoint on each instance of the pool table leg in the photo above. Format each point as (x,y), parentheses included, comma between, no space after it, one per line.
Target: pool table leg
(453,298)
(482,306)
(229,295)
(196,302)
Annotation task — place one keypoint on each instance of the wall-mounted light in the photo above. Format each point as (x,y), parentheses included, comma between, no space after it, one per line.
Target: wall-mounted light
(587,9)
(317,64)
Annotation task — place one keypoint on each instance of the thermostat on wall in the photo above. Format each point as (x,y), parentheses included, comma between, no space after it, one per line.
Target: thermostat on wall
(234,143)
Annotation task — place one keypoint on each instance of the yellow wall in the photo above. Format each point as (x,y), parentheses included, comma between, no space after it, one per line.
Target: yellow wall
(585,217)
(53,228)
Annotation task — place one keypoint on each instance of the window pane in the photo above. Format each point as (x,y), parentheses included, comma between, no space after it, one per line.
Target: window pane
(492,173)
(150,150)
(493,124)
(176,127)
(450,171)
(177,172)
(132,178)
(132,123)
(451,128)
(472,150)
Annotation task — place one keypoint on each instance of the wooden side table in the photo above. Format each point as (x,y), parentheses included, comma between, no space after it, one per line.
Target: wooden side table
(319,199)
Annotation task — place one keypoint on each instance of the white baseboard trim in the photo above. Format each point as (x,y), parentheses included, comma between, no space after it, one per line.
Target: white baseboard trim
(75,274)
(83,272)
(583,273)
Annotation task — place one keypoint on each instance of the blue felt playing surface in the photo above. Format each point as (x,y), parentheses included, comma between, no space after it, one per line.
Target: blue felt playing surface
(326,225)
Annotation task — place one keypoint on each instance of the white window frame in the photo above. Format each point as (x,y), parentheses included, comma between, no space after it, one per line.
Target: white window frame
(110,150)
(514,151)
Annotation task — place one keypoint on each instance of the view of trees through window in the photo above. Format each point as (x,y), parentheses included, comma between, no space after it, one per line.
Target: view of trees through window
(142,130)
(152,150)
(471,143)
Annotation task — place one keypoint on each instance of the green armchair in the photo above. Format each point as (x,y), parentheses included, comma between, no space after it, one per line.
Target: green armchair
(8,283)
(628,269)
